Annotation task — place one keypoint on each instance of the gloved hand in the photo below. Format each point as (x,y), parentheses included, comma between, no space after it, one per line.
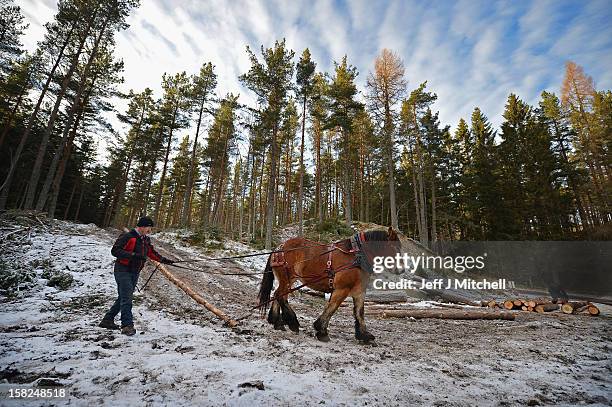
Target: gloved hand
(166,261)
(139,256)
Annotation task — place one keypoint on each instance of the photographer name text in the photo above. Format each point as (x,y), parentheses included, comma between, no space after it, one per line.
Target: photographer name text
(443,284)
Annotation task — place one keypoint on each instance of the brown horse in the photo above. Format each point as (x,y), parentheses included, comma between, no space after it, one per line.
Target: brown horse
(341,268)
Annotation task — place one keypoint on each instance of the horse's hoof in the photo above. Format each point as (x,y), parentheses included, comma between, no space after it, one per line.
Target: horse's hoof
(279,327)
(365,337)
(322,337)
(295,328)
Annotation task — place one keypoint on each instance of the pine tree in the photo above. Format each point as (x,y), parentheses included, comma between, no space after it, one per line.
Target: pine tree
(412,110)
(386,87)
(219,149)
(305,71)
(482,182)
(318,113)
(270,80)
(203,86)
(343,107)
(563,139)
(577,96)
(172,112)
(12,27)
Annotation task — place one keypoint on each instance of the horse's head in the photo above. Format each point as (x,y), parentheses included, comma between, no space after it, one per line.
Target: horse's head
(380,243)
(393,245)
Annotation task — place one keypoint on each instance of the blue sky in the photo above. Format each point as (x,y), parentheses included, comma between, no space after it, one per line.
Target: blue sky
(472,53)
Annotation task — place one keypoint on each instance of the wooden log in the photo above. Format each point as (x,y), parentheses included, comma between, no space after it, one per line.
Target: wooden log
(387,296)
(508,304)
(541,308)
(572,306)
(593,310)
(447,295)
(454,306)
(197,297)
(530,309)
(517,303)
(581,309)
(532,303)
(524,307)
(448,314)
(576,297)
(492,304)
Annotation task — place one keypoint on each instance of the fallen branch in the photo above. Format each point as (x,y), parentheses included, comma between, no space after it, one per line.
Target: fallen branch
(197,297)
(447,314)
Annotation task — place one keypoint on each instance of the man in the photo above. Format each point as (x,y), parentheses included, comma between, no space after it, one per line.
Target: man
(131,250)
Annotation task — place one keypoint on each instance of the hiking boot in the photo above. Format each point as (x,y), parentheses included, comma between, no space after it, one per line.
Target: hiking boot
(108,324)
(128,330)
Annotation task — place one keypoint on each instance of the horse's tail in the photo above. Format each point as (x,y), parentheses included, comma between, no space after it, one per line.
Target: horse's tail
(267,282)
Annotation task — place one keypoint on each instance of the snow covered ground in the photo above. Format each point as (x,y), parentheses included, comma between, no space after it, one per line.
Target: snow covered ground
(183,356)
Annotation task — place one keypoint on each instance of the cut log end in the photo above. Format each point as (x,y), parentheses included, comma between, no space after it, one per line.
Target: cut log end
(593,310)
(573,307)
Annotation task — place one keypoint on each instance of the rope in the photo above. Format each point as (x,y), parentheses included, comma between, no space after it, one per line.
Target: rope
(259,272)
(242,256)
(148,279)
(222,274)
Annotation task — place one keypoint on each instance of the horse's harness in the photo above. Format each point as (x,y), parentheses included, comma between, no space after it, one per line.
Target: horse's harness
(278,259)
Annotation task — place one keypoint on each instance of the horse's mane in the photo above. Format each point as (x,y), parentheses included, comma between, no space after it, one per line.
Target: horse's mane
(376,236)
(370,236)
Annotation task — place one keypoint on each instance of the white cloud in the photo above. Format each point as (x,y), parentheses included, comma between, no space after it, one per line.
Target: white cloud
(473,53)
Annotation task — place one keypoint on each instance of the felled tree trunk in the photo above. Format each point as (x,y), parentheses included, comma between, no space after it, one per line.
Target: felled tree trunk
(546,307)
(197,297)
(448,313)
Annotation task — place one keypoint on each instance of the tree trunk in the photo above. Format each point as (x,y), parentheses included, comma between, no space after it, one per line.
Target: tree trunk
(347,185)
(60,171)
(198,298)
(78,209)
(447,314)
(6,185)
(77,106)
(434,235)
(319,181)
(42,149)
(300,201)
(192,164)
(9,120)
(165,167)
(390,163)
(219,195)
(67,210)
(270,204)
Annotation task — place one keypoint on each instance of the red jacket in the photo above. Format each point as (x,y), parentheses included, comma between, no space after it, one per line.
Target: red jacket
(129,244)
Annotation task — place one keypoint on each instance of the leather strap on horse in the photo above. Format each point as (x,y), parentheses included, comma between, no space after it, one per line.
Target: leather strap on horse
(329,269)
(274,298)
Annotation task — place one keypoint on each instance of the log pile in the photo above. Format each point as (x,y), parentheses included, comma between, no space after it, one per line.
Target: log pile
(542,305)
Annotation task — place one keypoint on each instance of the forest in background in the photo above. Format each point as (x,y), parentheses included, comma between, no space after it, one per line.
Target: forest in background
(379,155)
